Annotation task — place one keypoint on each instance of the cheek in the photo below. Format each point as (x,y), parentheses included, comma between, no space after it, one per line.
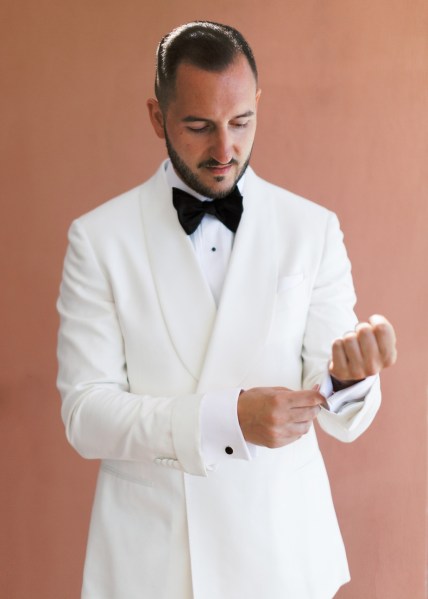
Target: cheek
(184,147)
(247,141)
(193,149)
(189,151)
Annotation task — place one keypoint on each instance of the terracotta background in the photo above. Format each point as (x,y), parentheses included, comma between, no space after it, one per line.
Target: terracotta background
(343,121)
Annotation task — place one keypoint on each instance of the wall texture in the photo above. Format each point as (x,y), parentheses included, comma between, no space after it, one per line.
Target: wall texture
(343,121)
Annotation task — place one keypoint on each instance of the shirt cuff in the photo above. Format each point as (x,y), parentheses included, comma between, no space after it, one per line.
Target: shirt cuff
(351,395)
(221,435)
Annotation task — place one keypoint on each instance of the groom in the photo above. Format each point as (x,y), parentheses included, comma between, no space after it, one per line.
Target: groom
(206,321)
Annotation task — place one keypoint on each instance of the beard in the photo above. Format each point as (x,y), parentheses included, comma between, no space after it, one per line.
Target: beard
(192,180)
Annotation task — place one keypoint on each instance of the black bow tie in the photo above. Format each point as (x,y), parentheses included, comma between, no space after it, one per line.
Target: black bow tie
(191,211)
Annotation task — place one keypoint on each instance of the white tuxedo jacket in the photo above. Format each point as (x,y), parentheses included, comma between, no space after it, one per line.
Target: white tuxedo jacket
(141,342)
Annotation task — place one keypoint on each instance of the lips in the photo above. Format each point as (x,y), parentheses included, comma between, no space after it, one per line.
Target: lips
(219,170)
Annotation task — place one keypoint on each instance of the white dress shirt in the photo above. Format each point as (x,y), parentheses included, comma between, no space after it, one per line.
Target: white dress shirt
(213,243)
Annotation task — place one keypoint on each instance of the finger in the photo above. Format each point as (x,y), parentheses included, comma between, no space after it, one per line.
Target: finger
(351,347)
(372,361)
(304,399)
(354,359)
(303,415)
(385,337)
(339,363)
(298,428)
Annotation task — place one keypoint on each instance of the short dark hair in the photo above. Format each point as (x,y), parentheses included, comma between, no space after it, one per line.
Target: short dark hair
(204,44)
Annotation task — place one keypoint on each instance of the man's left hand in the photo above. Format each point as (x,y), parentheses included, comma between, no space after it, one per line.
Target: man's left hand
(365,351)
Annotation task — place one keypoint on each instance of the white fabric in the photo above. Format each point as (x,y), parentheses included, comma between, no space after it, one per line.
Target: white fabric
(339,400)
(212,241)
(141,343)
(213,244)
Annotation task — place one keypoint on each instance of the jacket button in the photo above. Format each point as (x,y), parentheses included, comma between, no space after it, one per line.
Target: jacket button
(228,450)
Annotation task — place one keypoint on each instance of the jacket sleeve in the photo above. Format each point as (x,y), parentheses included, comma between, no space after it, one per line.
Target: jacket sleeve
(102,418)
(331,314)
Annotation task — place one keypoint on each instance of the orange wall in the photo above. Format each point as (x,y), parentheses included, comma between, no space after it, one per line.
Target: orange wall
(343,121)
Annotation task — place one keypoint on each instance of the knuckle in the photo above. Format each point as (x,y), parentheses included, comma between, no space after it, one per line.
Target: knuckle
(371,370)
(337,344)
(381,328)
(276,438)
(270,444)
(364,333)
(272,420)
(339,373)
(306,427)
(349,337)
(371,367)
(356,372)
(276,401)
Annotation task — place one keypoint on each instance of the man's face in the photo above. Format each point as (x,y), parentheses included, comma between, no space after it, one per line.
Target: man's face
(209,125)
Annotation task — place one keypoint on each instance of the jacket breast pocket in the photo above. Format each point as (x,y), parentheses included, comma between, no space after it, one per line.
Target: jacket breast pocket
(291,311)
(292,293)
(290,282)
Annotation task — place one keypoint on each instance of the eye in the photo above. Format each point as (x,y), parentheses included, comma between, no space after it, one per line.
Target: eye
(199,126)
(240,125)
(198,129)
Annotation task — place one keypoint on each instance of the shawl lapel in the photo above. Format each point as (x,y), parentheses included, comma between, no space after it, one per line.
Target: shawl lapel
(185,299)
(216,347)
(249,292)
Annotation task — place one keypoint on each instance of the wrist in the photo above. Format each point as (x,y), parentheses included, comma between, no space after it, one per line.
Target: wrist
(339,385)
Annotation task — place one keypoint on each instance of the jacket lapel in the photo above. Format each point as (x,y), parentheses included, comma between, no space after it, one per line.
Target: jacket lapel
(184,296)
(249,292)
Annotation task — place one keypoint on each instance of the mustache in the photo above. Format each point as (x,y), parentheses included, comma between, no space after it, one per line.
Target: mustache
(212,162)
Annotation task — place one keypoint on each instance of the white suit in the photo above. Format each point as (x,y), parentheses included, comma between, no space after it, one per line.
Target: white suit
(141,342)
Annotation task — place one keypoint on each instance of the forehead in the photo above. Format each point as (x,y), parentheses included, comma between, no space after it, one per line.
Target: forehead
(198,91)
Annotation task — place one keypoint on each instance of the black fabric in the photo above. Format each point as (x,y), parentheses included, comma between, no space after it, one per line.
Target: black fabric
(191,211)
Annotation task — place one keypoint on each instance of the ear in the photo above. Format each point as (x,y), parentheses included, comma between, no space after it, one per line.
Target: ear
(156,117)
(258,94)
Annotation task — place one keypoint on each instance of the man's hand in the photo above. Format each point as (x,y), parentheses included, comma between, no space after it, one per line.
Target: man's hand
(277,416)
(365,351)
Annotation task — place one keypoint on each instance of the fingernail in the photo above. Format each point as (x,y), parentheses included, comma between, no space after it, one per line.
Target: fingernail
(316,387)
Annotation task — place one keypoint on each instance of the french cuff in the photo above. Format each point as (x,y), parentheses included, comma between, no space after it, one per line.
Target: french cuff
(349,398)
(186,436)
(221,434)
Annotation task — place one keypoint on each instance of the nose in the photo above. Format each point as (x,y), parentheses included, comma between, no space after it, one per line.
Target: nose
(221,149)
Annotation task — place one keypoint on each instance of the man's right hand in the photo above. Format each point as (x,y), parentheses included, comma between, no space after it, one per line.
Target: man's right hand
(276,416)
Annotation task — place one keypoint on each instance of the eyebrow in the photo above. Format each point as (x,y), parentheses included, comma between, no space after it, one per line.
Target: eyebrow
(193,119)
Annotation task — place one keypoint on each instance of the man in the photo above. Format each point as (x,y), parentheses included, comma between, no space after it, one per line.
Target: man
(191,356)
